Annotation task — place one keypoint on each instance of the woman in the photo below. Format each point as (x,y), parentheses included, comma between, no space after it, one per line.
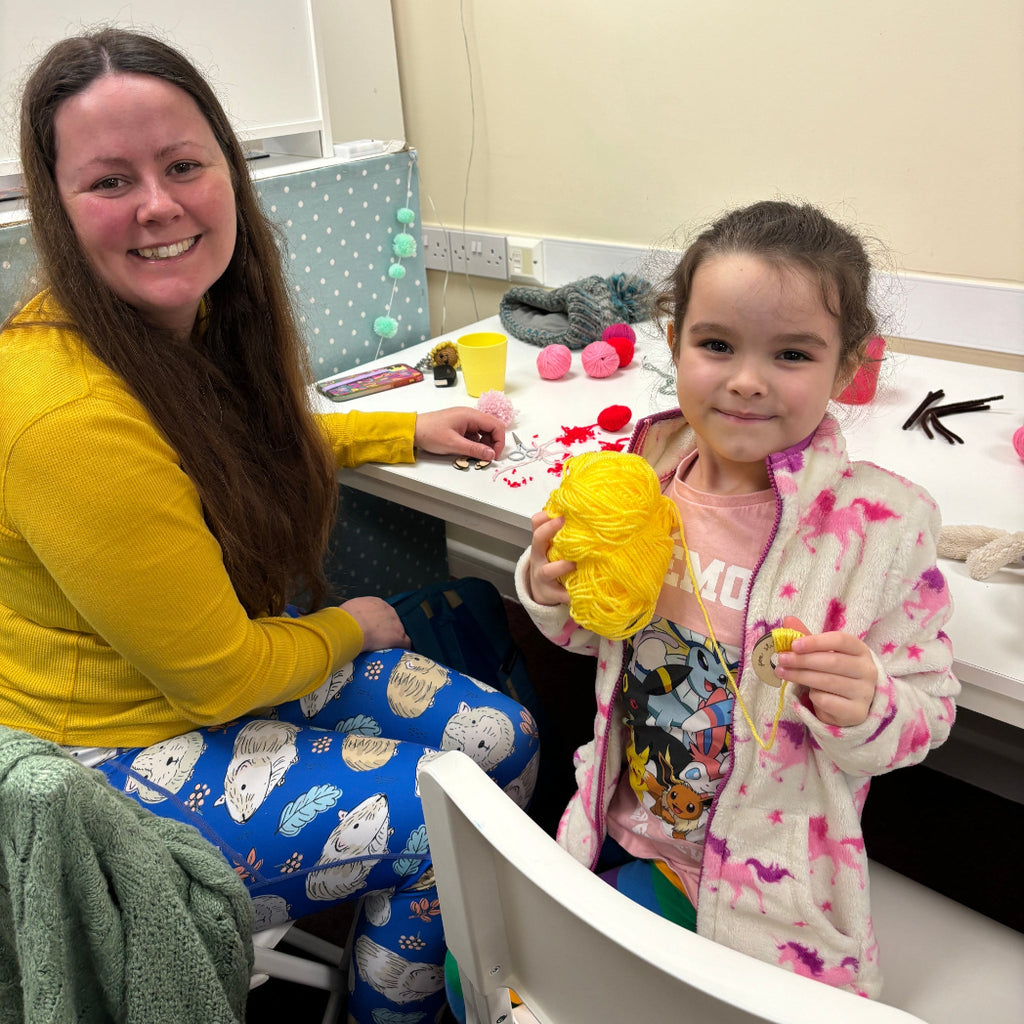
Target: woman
(165,491)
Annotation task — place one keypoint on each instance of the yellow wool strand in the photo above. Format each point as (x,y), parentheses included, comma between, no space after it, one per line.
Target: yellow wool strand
(781,638)
(618,530)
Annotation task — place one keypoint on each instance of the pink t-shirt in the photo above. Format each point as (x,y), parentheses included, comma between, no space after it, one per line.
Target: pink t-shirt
(675,691)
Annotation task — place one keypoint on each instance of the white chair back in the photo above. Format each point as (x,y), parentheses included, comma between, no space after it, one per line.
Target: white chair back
(521,913)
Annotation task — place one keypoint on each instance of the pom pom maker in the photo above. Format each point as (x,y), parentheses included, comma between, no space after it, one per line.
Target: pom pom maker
(764,654)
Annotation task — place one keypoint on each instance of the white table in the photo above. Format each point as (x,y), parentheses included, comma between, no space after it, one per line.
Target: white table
(979,482)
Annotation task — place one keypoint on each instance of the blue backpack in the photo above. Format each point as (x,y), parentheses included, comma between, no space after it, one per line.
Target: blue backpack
(462,624)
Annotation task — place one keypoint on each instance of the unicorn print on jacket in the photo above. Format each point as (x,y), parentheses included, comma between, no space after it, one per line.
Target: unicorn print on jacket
(824,519)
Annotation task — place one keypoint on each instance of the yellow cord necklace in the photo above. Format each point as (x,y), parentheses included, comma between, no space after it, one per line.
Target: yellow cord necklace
(771,643)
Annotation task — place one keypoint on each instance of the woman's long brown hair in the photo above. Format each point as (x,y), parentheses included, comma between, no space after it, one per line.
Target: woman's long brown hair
(233,400)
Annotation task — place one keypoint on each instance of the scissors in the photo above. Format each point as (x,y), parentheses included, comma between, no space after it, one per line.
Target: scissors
(521,453)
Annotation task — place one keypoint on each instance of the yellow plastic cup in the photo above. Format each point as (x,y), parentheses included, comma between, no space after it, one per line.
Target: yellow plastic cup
(482,358)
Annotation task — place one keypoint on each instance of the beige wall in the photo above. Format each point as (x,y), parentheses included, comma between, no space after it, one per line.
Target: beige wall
(630,122)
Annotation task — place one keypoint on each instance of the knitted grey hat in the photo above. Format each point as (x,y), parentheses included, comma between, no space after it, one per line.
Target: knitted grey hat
(575,314)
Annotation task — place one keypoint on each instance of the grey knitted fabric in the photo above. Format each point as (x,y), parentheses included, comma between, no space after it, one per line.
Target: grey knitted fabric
(575,314)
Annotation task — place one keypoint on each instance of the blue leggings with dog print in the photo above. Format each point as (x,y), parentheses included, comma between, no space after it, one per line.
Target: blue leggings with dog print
(315,802)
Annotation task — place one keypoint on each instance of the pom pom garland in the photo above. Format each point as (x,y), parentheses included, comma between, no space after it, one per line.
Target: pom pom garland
(553,361)
(599,359)
(618,531)
(404,245)
(497,404)
(614,418)
(1018,442)
(385,327)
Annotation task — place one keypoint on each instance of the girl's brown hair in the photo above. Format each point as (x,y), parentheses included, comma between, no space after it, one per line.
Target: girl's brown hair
(233,399)
(786,234)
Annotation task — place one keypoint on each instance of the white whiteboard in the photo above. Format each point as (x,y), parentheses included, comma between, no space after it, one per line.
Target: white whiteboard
(260,56)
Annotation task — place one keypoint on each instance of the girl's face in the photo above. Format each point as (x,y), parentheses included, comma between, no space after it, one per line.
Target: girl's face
(148,192)
(757,363)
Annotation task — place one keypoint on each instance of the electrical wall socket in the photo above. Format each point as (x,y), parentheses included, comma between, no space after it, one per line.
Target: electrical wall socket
(436,251)
(525,262)
(479,254)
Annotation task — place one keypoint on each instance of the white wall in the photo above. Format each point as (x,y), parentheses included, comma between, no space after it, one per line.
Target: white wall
(628,123)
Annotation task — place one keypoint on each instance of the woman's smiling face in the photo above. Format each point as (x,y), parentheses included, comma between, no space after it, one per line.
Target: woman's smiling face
(148,192)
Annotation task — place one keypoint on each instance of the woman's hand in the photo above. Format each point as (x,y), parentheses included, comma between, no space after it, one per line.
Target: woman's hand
(544,575)
(838,671)
(460,431)
(379,622)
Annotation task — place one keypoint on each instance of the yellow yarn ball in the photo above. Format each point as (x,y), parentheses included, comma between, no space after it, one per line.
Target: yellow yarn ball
(618,531)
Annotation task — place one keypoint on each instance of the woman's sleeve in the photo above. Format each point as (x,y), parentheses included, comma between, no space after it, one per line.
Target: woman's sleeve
(913,708)
(100,497)
(360,437)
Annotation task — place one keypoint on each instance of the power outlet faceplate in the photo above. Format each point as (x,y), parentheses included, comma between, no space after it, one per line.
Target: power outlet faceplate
(479,254)
(525,262)
(436,252)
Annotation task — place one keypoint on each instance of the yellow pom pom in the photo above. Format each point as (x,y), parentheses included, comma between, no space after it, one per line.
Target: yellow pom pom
(618,531)
(783,638)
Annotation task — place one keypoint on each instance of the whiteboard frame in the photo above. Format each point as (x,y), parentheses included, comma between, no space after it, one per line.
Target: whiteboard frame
(290,45)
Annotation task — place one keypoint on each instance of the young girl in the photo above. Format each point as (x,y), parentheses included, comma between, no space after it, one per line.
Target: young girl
(708,794)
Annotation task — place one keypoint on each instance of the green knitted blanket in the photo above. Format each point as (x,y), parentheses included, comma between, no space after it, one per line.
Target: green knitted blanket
(107,911)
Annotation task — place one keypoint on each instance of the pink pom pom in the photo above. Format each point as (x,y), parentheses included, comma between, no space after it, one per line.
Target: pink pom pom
(553,361)
(619,331)
(600,359)
(614,418)
(1018,442)
(497,404)
(623,349)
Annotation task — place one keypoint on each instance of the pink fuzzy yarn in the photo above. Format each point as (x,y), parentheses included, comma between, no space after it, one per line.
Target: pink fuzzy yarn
(600,359)
(553,361)
(497,404)
(1018,442)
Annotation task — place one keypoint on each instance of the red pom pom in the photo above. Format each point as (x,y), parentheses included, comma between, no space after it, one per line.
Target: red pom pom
(623,349)
(614,418)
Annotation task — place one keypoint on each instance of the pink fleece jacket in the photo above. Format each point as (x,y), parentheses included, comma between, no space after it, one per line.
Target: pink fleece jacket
(784,875)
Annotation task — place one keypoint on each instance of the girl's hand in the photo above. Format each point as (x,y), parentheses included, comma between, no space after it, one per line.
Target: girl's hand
(379,622)
(544,583)
(460,431)
(838,671)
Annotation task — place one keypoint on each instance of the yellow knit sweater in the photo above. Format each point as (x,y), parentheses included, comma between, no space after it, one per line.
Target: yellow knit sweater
(119,625)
